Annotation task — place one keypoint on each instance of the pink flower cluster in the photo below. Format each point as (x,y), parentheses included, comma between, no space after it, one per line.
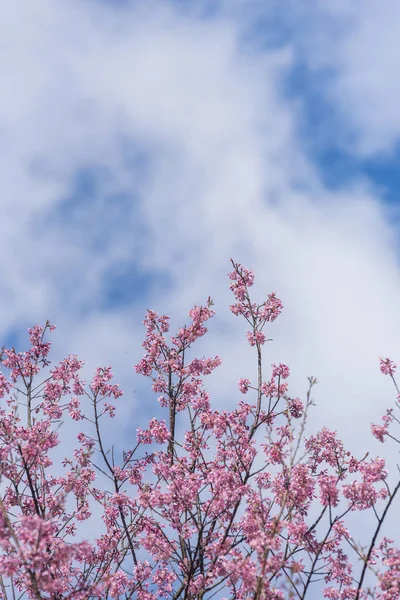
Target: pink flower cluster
(207,503)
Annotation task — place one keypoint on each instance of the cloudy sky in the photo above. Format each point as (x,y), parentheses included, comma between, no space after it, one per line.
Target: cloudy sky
(144,144)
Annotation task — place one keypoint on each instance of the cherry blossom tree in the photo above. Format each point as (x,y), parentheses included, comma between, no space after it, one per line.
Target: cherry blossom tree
(242,505)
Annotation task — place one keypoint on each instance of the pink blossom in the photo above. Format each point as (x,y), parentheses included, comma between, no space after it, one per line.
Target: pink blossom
(388,367)
(244,385)
(233,501)
(379,431)
(255,338)
(280,371)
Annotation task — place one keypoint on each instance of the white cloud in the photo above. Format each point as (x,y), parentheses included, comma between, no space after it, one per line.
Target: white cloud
(225,176)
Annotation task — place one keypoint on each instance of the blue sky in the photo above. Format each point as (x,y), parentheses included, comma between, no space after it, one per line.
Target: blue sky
(145,144)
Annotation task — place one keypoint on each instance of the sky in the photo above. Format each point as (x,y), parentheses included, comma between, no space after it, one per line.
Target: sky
(144,144)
